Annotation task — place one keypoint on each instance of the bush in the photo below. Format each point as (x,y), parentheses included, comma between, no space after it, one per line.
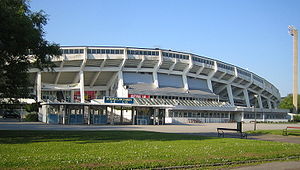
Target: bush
(297,118)
(32,117)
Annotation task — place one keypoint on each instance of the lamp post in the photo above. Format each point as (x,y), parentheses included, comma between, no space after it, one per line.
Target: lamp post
(294,33)
(255,96)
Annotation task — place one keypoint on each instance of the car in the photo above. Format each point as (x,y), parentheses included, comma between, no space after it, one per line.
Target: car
(11,115)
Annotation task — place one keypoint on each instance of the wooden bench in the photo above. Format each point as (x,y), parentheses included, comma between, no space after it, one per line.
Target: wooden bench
(221,132)
(288,129)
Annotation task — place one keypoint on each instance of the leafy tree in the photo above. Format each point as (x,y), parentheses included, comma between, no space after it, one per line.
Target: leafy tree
(22,46)
(287,103)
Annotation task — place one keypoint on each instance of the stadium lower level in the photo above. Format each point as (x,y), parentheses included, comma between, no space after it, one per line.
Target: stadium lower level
(124,85)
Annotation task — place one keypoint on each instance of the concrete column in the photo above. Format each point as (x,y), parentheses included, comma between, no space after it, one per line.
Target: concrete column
(156,68)
(269,104)
(259,101)
(209,84)
(246,97)
(111,115)
(121,116)
(39,86)
(185,83)
(81,82)
(230,96)
(263,117)
(72,96)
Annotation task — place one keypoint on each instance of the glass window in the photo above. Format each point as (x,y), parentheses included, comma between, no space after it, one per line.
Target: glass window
(98,51)
(121,51)
(71,51)
(76,51)
(93,51)
(66,51)
(102,51)
(107,51)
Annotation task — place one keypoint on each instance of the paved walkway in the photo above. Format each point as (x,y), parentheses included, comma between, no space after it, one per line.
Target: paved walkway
(288,165)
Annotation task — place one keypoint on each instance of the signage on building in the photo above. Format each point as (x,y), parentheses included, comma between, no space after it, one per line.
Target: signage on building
(121,100)
(138,96)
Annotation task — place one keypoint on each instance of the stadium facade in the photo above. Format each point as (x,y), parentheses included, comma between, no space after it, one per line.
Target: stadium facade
(125,85)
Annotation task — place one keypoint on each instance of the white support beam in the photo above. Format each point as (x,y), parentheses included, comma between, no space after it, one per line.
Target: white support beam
(58,74)
(172,66)
(209,84)
(222,75)
(97,74)
(269,103)
(141,63)
(200,70)
(185,71)
(229,93)
(220,89)
(260,101)
(246,97)
(213,72)
(155,70)
(81,82)
(39,86)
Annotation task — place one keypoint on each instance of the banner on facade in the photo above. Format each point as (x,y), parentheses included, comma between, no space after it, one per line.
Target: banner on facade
(121,100)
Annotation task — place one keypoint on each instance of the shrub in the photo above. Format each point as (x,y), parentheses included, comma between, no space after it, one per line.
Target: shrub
(297,118)
(32,117)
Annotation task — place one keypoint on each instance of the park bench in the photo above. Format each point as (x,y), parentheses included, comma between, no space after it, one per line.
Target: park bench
(238,129)
(288,129)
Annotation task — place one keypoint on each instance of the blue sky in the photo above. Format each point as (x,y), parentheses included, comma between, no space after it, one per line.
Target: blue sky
(251,34)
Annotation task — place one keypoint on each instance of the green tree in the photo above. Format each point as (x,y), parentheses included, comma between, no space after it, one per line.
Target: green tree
(22,46)
(287,103)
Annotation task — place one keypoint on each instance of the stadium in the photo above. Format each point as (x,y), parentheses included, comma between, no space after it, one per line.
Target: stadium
(144,86)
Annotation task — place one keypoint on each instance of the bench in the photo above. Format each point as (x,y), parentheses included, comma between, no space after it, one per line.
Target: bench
(238,129)
(288,129)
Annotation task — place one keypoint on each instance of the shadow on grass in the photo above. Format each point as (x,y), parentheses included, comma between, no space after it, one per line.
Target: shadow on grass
(83,137)
(272,132)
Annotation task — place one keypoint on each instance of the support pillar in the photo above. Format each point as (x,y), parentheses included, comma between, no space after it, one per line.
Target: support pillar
(112,115)
(39,87)
(209,84)
(269,104)
(259,101)
(81,86)
(121,117)
(230,95)
(246,97)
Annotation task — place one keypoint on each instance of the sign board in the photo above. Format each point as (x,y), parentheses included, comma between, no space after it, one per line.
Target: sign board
(138,96)
(121,100)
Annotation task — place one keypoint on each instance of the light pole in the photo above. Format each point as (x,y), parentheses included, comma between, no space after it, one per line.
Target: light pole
(255,99)
(294,33)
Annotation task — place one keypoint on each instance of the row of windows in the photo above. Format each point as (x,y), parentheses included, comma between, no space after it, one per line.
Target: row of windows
(172,55)
(225,66)
(201,60)
(71,51)
(242,72)
(198,114)
(140,52)
(104,51)
(267,116)
(258,79)
(181,98)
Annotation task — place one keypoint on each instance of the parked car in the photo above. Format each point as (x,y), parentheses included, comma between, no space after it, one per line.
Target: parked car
(11,115)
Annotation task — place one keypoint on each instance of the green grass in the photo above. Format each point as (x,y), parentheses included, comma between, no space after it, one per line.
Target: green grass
(273,132)
(128,149)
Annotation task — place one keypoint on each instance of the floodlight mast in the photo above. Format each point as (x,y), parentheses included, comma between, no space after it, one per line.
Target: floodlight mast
(294,33)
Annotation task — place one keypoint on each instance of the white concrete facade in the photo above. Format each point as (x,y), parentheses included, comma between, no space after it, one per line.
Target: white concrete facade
(101,69)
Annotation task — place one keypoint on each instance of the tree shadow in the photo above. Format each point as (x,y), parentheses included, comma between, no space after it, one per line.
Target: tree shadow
(83,137)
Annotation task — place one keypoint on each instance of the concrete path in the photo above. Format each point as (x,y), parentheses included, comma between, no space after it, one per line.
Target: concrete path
(288,165)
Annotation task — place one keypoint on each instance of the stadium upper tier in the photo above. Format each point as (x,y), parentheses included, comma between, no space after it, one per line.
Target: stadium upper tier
(101,64)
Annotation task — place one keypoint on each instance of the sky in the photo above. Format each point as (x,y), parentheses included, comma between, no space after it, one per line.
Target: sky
(251,34)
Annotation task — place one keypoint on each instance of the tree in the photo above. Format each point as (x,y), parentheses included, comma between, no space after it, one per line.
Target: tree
(22,46)
(287,103)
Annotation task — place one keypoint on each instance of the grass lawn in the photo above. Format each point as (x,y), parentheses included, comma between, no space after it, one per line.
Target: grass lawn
(128,149)
(273,132)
